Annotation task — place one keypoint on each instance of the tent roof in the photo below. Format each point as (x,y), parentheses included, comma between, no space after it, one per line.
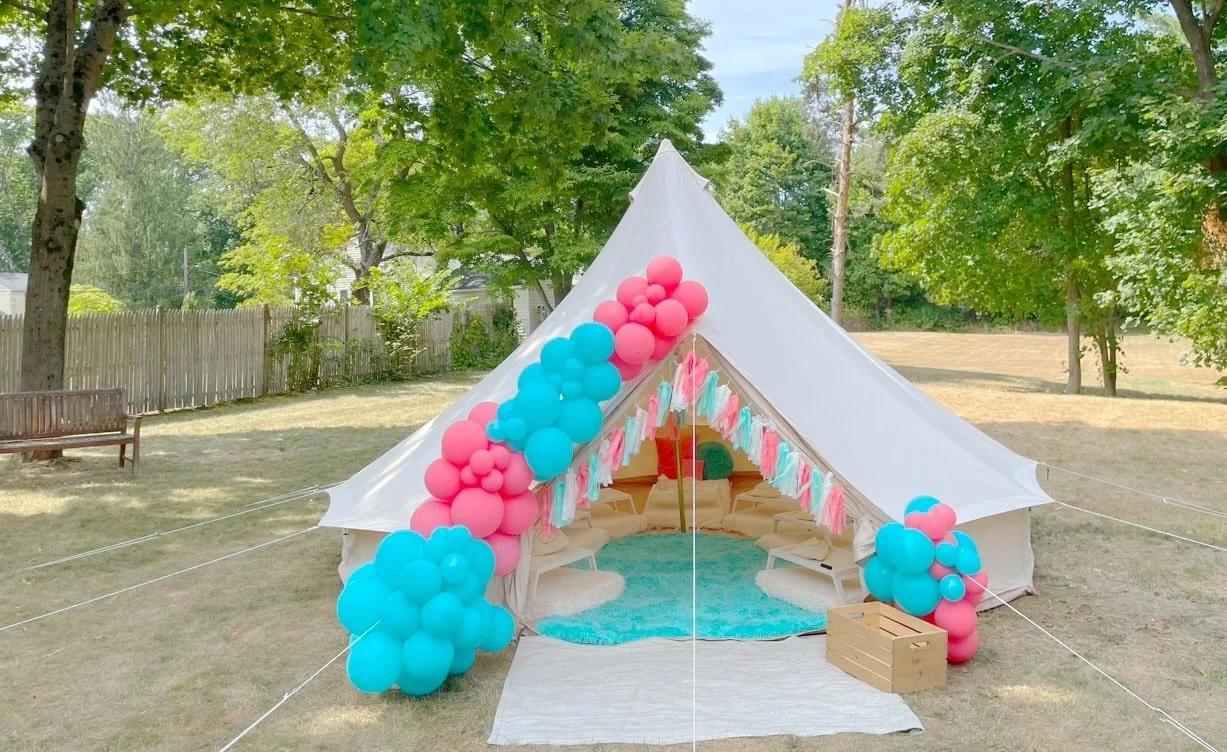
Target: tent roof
(882,435)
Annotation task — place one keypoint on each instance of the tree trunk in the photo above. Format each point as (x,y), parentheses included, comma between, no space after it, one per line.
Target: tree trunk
(562,284)
(1073,335)
(839,246)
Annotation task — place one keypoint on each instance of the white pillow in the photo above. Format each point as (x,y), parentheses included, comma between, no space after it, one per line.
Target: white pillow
(555,543)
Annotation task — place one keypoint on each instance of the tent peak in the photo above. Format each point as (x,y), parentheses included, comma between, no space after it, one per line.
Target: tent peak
(666,146)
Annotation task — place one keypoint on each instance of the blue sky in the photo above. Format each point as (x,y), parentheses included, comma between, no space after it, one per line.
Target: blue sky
(756,47)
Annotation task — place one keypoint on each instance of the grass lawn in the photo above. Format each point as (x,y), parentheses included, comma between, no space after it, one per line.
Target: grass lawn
(186,663)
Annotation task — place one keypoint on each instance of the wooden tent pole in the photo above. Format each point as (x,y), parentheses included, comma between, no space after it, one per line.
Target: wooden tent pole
(681,497)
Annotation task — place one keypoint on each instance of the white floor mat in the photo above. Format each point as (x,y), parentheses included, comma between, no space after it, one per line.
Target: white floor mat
(804,589)
(567,591)
(566,694)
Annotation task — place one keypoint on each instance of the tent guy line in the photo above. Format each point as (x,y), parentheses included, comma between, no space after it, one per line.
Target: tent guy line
(1169,500)
(157,579)
(1141,526)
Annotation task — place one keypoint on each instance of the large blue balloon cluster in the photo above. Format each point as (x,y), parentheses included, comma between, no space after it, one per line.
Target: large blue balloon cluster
(557,404)
(425,600)
(900,570)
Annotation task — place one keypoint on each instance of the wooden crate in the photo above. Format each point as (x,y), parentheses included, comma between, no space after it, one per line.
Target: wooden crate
(886,648)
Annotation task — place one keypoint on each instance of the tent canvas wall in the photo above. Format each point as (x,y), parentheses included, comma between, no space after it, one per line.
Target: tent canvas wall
(884,438)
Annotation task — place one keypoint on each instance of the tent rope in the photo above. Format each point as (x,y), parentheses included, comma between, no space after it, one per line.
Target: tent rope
(694,563)
(156,579)
(299,495)
(1165,716)
(1141,526)
(284,698)
(1169,500)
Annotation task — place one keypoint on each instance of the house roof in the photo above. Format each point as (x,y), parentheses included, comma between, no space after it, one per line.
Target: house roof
(13,281)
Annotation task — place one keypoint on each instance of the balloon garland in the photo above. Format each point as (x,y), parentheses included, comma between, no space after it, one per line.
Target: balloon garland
(417,614)
(929,569)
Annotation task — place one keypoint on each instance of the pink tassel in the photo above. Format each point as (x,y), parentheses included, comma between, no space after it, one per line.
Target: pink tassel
(653,410)
(581,484)
(725,421)
(695,383)
(546,499)
(833,510)
(803,479)
(770,453)
(613,458)
(681,381)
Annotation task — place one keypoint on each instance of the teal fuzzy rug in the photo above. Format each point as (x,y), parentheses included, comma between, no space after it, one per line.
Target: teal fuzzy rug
(656,602)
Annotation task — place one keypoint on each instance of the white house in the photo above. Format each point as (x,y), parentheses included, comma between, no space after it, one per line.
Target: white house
(12,293)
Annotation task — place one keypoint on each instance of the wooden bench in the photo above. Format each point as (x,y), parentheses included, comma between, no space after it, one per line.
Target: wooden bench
(44,421)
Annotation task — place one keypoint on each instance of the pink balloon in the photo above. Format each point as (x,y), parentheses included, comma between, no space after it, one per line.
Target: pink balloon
(664,346)
(975,585)
(944,517)
(634,343)
(644,313)
(631,288)
(433,514)
(519,514)
(929,524)
(483,413)
(962,650)
(501,455)
(937,570)
(639,300)
(517,476)
(692,295)
(506,553)
(626,370)
(478,510)
(665,271)
(671,318)
(461,439)
(956,617)
(467,476)
(493,481)
(442,479)
(655,294)
(611,313)
(482,462)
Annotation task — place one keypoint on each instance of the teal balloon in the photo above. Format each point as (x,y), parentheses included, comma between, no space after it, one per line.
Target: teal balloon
(592,342)
(920,504)
(421,581)
(947,554)
(889,542)
(968,563)
(574,369)
(462,661)
(548,452)
(472,628)
(458,538)
(427,658)
(555,380)
(481,560)
(917,594)
(952,587)
(435,548)
(415,687)
(572,390)
(878,577)
(441,615)
(398,617)
(531,373)
(374,662)
(916,554)
(454,569)
(494,431)
(581,420)
(467,590)
(965,541)
(361,599)
(500,628)
(515,429)
(556,353)
(602,381)
(507,410)
(538,405)
(395,551)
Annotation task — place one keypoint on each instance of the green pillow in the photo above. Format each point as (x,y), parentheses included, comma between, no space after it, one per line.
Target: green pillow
(717,460)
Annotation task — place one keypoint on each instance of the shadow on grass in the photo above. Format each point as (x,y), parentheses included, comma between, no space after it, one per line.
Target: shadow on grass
(1037,385)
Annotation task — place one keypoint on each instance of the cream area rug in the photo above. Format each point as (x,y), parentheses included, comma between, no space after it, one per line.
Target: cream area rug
(650,692)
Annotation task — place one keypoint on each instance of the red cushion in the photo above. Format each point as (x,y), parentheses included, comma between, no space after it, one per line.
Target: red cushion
(666,460)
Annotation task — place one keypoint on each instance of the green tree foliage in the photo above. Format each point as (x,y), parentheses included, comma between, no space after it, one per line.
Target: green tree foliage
(800,270)
(18,189)
(90,299)
(775,177)
(404,300)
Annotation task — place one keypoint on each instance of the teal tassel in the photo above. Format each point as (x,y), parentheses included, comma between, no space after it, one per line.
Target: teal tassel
(706,405)
(746,427)
(627,437)
(594,477)
(781,464)
(664,393)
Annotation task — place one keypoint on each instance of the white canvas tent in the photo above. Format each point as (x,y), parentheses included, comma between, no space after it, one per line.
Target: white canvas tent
(885,439)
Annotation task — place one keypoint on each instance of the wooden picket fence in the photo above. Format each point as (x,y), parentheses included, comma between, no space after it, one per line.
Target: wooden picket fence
(173,359)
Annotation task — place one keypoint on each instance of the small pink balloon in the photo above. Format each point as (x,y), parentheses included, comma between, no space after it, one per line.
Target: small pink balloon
(671,318)
(975,585)
(442,479)
(501,455)
(937,570)
(693,296)
(493,481)
(655,294)
(461,439)
(612,314)
(947,538)
(626,370)
(506,553)
(631,288)
(926,523)
(944,517)
(478,510)
(962,649)
(956,617)
(467,476)
(634,343)
(664,346)
(483,413)
(519,514)
(482,462)
(638,301)
(517,476)
(665,271)
(644,314)
(430,516)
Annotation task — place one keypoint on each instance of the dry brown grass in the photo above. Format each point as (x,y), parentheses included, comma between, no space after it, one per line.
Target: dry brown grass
(188,662)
